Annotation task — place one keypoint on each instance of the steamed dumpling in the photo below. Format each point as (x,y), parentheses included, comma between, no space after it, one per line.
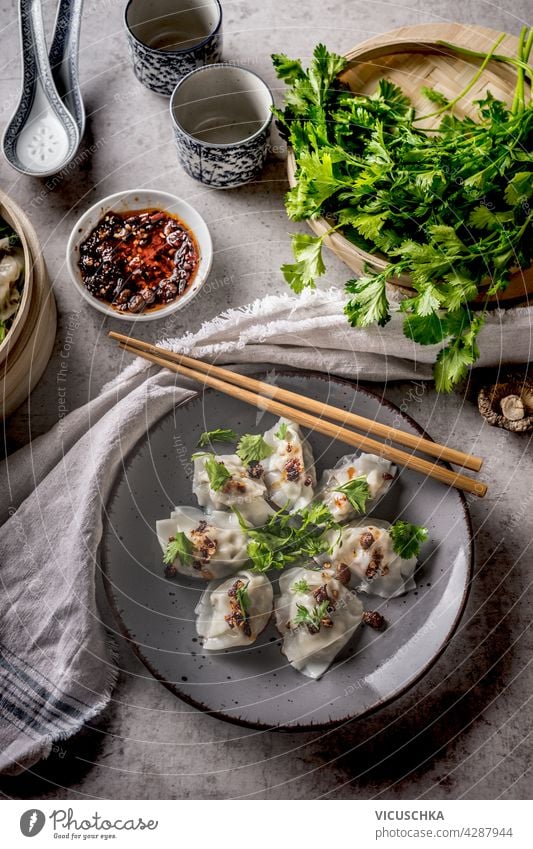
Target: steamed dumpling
(312,640)
(219,544)
(243,490)
(11,268)
(290,470)
(366,550)
(235,612)
(379,475)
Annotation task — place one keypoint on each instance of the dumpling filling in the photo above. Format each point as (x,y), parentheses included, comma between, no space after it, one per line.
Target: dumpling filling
(368,552)
(289,471)
(11,276)
(335,484)
(316,615)
(205,546)
(221,482)
(235,612)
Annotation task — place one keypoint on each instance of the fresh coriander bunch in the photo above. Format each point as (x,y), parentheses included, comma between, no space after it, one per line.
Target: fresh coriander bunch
(451,208)
(288,538)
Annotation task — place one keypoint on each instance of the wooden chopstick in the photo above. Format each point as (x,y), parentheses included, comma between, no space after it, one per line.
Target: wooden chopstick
(417,443)
(410,461)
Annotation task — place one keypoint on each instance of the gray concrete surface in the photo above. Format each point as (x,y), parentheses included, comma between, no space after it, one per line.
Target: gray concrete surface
(463,732)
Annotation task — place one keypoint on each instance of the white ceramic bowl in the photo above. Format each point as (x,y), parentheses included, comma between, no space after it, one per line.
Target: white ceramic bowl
(125,202)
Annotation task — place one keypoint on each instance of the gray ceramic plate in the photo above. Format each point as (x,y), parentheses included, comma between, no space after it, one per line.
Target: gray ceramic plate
(254,686)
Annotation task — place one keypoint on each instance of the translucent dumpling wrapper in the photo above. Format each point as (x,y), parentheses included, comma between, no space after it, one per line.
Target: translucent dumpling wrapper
(379,474)
(242,490)
(289,472)
(367,551)
(11,269)
(235,612)
(313,639)
(218,542)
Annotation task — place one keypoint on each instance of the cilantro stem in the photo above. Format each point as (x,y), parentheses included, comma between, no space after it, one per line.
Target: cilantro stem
(525,55)
(497,57)
(449,106)
(518,99)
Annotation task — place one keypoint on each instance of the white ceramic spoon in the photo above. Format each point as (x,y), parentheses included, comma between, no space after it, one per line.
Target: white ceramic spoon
(42,136)
(64,58)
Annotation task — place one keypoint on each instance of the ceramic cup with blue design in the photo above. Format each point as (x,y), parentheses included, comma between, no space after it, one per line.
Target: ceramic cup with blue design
(221,116)
(169,38)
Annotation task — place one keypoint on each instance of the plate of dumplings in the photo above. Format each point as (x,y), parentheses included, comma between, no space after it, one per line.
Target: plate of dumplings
(274,578)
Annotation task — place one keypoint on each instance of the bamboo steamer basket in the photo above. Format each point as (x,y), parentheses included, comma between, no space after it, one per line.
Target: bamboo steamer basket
(25,351)
(412,58)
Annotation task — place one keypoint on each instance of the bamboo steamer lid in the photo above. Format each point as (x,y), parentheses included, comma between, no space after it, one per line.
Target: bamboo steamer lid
(25,351)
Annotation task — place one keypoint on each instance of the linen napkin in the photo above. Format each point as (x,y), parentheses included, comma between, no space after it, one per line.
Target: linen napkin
(57,668)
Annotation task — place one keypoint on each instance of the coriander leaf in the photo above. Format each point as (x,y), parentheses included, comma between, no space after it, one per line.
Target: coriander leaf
(407,538)
(243,599)
(313,617)
(351,116)
(482,218)
(282,431)
(494,109)
(178,546)
(217,435)
(387,239)
(309,265)
(455,359)
(316,184)
(357,492)
(262,556)
(452,365)
(253,449)
(520,188)
(435,327)
(458,321)
(428,179)
(457,290)
(287,69)
(217,472)
(446,237)
(300,586)
(425,262)
(303,615)
(369,303)
(434,96)
(392,94)
(428,300)
(366,223)
(377,151)
(324,70)
(289,537)
(317,514)
(425,329)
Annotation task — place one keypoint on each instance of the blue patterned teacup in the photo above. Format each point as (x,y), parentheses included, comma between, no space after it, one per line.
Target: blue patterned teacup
(169,38)
(221,116)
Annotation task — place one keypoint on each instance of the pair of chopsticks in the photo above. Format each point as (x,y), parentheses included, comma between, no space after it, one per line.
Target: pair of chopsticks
(316,415)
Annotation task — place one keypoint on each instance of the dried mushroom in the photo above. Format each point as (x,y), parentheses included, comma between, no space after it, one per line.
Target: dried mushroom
(508,404)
